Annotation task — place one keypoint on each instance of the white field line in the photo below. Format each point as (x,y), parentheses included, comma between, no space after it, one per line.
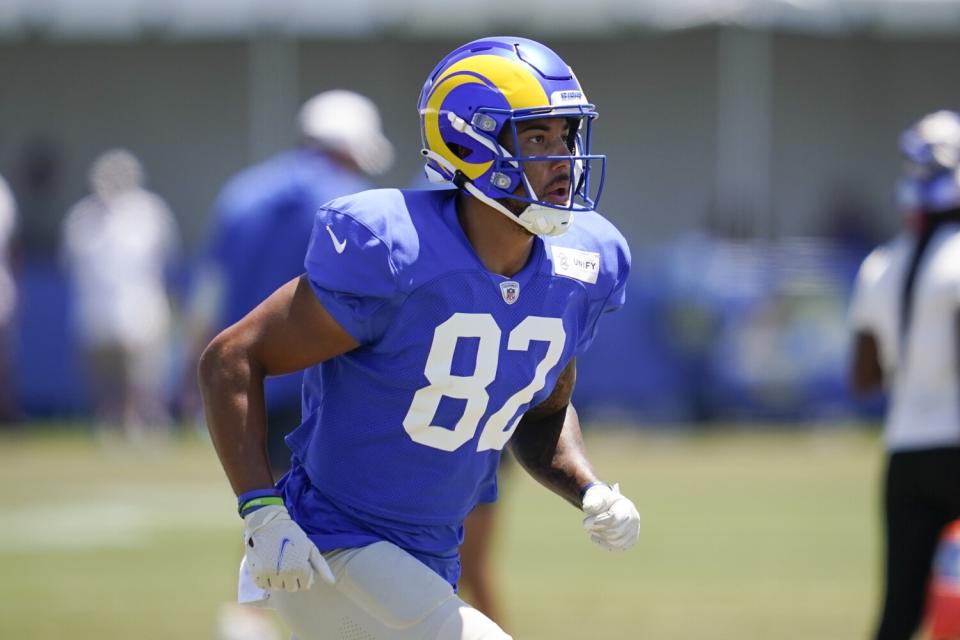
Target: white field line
(115,517)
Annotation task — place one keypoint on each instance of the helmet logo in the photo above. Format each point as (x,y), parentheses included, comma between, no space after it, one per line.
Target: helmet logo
(510,290)
(517,86)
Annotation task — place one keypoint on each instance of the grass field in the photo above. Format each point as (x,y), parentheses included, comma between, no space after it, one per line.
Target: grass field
(745,535)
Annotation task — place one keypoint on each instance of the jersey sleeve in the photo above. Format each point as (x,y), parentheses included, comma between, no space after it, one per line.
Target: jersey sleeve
(8,214)
(351,272)
(618,293)
(615,270)
(862,312)
(953,250)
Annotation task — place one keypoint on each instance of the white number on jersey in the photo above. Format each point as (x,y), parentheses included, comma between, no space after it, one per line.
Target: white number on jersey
(473,388)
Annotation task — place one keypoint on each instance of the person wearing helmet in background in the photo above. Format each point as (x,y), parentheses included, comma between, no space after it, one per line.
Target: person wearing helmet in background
(262,222)
(436,328)
(905,313)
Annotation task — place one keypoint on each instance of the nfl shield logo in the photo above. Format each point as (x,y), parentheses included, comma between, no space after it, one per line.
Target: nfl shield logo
(510,291)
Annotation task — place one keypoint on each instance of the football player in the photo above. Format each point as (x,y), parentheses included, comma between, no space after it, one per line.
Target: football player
(436,328)
(905,313)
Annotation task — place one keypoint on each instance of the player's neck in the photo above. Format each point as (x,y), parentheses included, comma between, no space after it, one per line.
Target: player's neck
(503,246)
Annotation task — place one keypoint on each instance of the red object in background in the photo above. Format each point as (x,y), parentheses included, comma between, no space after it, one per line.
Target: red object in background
(943,607)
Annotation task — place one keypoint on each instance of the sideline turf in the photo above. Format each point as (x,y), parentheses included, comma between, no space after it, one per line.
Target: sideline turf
(745,535)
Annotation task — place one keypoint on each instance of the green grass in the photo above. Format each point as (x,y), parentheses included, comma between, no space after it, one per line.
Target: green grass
(745,535)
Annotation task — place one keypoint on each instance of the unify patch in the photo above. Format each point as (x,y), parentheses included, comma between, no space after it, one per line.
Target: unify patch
(576,263)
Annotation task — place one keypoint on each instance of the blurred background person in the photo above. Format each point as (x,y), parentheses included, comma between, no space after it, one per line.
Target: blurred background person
(479,578)
(8,301)
(905,313)
(261,225)
(118,245)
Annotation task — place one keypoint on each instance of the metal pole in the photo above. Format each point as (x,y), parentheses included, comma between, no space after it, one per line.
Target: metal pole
(272,93)
(744,114)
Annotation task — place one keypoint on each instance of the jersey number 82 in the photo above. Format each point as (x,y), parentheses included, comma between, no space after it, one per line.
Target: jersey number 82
(473,388)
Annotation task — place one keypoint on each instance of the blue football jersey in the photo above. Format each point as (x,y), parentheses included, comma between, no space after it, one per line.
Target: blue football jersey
(402,435)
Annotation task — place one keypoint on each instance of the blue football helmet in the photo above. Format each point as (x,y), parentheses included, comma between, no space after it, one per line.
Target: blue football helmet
(476,95)
(931,179)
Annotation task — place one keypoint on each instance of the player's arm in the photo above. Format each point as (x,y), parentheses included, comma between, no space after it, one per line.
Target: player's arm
(866,373)
(287,332)
(549,445)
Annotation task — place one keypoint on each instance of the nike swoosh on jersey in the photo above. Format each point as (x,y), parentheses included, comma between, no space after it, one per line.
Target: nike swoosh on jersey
(338,245)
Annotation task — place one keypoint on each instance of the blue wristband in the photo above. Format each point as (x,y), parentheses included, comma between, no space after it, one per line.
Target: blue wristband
(256,493)
(587,487)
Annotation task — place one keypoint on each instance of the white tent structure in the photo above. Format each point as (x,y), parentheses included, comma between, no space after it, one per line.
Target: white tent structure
(754,110)
(363,18)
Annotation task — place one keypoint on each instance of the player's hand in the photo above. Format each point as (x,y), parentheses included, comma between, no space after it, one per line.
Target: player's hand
(279,553)
(611,519)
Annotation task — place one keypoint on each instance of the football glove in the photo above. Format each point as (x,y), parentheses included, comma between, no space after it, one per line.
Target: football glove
(611,519)
(279,553)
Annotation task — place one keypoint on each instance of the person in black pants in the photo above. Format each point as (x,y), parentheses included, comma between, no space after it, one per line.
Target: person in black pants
(905,314)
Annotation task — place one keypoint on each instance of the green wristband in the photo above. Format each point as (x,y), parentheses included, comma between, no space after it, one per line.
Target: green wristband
(256,503)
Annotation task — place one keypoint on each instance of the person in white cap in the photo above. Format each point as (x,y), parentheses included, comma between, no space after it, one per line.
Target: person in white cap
(262,222)
(346,125)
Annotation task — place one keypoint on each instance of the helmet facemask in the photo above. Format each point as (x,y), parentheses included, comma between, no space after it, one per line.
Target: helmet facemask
(505,186)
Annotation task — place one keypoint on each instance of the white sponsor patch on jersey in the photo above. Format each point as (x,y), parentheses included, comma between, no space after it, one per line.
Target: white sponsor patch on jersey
(576,263)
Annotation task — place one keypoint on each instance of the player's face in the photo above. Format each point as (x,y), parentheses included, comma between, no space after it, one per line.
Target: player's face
(550,179)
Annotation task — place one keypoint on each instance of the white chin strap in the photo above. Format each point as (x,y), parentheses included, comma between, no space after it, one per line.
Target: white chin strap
(537,219)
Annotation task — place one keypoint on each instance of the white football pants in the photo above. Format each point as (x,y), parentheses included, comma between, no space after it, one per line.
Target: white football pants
(381,593)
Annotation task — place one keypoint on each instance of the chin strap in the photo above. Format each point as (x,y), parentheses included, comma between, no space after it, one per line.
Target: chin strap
(537,219)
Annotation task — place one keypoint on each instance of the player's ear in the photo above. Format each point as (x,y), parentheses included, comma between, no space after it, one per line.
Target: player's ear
(459,150)
(506,138)
(572,134)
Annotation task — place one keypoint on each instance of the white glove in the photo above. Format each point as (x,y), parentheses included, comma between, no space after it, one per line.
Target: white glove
(612,520)
(279,553)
